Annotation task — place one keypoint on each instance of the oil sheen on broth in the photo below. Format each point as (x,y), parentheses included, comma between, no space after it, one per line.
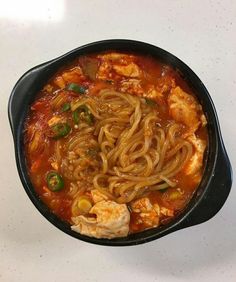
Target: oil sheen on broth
(115,144)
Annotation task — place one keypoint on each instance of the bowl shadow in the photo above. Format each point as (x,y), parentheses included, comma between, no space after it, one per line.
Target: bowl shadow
(184,253)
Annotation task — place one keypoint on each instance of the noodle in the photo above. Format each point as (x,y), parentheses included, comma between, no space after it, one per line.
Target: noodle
(132,154)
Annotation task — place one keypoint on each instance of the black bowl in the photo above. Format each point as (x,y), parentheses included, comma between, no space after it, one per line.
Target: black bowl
(216,181)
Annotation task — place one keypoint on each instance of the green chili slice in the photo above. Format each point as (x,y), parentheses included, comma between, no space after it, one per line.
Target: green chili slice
(60,130)
(76,116)
(76,88)
(54,181)
(65,107)
(150,102)
(163,190)
(83,113)
(83,108)
(89,118)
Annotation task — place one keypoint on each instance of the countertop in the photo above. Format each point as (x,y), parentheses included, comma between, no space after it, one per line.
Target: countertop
(203,35)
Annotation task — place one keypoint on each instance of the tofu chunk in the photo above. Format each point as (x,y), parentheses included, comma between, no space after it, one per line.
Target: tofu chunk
(73,75)
(116,57)
(60,82)
(153,93)
(112,221)
(148,214)
(141,205)
(196,161)
(131,86)
(104,71)
(145,213)
(114,65)
(184,109)
(130,70)
(166,212)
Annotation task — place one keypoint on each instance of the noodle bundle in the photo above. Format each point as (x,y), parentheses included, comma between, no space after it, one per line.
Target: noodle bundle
(125,153)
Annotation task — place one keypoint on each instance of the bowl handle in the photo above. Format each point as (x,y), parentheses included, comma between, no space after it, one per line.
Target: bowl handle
(20,95)
(217,192)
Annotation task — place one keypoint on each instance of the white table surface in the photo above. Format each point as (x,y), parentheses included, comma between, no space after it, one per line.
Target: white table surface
(203,35)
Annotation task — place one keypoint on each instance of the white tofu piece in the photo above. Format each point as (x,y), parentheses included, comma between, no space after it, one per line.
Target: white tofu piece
(195,162)
(130,70)
(147,215)
(112,221)
(185,109)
